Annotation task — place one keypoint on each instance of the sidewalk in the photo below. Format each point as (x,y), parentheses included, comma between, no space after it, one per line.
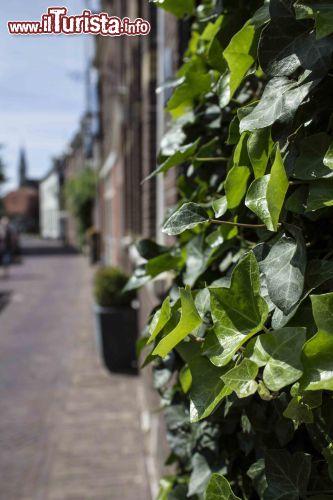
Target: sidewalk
(68,430)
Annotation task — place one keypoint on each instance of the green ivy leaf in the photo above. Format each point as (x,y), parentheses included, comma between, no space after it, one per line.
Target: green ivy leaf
(195,84)
(186,217)
(280,319)
(320,195)
(259,147)
(321,11)
(236,185)
(328,158)
(280,351)
(299,412)
(163,263)
(310,163)
(318,272)
(215,49)
(175,137)
(296,202)
(241,378)
(257,474)
(240,55)
(166,485)
(149,249)
(185,378)
(219,489)
(199,478)
(297,48)
(212,29)
(261,16)
(178,9)
(300,407)
(318,351)
(284,269)
(266,195)
(287,475)
(238,312)
(180,156)
(220,206)
(221,235)
(206,392)
(223,90)
(138,279)
(280,101)
(198,258)
(160,319)
(189,321)
(241,155)
(234,135)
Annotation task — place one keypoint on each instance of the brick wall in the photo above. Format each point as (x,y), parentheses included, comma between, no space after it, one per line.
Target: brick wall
(131,115)
(74,161)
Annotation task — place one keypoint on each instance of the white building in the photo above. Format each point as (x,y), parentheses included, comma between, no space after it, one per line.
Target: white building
(50,205)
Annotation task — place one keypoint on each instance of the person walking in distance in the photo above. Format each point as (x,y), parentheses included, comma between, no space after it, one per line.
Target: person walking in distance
(5,245)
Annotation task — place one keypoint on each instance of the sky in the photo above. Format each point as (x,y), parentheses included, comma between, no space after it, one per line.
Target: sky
(42,92)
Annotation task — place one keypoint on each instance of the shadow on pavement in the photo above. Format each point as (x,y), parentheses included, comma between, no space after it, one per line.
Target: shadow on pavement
(43,250)
(4,299)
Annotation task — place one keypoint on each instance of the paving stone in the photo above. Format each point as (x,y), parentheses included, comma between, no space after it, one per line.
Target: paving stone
(68,429)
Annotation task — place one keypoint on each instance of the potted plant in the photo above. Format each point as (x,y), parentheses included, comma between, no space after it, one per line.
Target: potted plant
(116,320)
(93,238)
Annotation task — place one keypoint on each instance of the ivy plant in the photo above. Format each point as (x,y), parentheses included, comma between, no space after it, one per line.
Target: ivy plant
(242,345)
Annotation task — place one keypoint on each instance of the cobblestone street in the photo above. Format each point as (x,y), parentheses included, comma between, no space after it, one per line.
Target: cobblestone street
(68,430)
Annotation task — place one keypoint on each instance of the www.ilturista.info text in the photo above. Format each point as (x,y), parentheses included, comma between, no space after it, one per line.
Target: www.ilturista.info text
(57,22)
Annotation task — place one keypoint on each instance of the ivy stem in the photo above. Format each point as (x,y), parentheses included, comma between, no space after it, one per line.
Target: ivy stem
(328,255)
(266,330)
(217,158)
(238,224)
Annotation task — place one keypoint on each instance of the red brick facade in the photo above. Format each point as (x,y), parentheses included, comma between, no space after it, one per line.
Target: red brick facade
(132,122)
(23,206)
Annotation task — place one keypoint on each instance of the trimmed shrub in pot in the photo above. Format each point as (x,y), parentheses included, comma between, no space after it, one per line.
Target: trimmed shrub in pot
(116,320)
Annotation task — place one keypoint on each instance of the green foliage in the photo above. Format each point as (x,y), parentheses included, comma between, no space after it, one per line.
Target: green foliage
(266,194)
(238,312)
(189,321)
(219,489)
(179,9)
(287,475)
(80,192)
(188,216)
(242,346)
(109,283)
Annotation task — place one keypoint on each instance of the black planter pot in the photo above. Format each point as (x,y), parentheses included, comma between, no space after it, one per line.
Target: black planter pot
(116,332)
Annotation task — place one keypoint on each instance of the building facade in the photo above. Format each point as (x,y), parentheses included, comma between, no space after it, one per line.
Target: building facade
(132,124)
(22,204)
(51,215)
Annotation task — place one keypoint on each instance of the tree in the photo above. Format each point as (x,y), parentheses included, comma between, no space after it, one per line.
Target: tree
(242,346)
(80,192)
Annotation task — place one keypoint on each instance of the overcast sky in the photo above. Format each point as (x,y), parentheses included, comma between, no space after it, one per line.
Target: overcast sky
(42,94)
